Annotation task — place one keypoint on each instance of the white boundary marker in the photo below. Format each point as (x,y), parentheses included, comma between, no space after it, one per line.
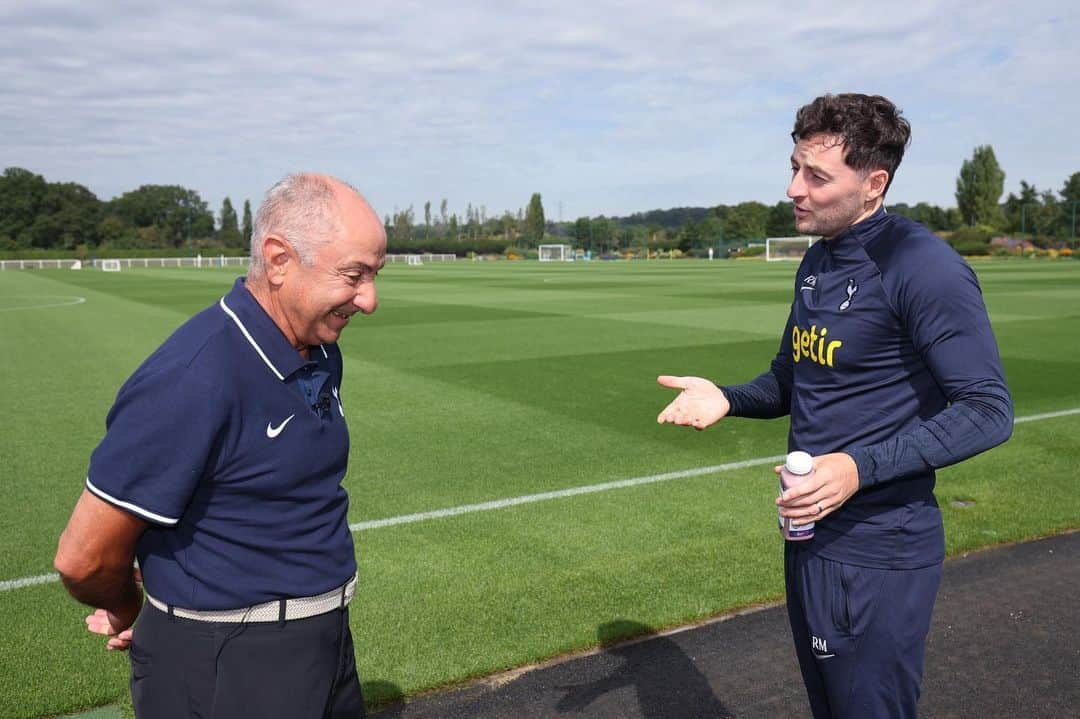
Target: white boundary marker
(11,584)
(69,300)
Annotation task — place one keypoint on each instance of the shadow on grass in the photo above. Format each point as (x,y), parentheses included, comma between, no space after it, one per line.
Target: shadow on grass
(383,698)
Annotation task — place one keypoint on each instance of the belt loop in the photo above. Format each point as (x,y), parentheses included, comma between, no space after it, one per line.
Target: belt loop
(281,612)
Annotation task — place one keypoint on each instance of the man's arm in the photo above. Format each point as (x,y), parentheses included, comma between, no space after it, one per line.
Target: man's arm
(945,314)
(701,403)
(95,559)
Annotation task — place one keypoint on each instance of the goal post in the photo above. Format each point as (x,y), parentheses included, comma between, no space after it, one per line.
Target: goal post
(555,253)
(787,248)
(109,265)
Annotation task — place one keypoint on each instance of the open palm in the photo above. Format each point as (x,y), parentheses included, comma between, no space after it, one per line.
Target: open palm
(700,404)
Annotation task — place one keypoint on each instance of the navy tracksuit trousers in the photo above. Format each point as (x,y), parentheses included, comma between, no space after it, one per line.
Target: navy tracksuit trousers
(859,633)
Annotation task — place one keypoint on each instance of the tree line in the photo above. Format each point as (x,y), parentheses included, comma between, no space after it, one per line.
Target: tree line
(68,217)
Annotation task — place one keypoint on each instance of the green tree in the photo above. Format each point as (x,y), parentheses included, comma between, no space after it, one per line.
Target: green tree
(228,233)
(601,232)
(248,227)
(534,221)
(746,221)
(689,236)
(1047,217)
(22,194)
(1016,208)
(176,212)
(582,231)
(780,221)
(979,187)
(1070,197)
(68,217)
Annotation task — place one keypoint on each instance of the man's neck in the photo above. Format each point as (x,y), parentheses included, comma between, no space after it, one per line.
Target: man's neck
(866,213)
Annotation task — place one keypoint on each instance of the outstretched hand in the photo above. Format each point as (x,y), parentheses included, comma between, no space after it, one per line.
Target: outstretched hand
(700,404)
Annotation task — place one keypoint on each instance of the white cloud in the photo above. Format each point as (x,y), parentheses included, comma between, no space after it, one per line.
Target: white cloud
(610,107)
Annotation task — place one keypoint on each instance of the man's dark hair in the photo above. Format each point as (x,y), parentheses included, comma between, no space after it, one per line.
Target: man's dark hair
(871,128)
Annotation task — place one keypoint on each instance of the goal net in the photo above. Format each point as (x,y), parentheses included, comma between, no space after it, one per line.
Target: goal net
(555,253)
(787,248)
(415,260)
(109,265)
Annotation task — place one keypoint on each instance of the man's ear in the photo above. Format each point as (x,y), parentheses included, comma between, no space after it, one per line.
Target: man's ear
(278,256)
(876,182)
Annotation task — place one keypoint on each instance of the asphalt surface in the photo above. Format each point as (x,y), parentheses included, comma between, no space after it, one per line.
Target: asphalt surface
(1004,642)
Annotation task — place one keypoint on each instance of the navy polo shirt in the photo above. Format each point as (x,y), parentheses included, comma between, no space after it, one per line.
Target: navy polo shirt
(214,443)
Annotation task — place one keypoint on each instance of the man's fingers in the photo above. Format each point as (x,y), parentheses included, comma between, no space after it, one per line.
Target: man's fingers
(667,380)
(673,413)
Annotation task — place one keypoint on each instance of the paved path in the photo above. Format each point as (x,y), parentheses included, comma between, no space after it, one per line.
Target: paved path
(1005,642)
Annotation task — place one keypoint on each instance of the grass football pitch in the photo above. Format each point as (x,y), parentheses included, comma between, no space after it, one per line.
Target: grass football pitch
(481,382)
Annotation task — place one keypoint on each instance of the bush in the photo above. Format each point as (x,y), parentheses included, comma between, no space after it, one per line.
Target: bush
(969,237)
(972,249)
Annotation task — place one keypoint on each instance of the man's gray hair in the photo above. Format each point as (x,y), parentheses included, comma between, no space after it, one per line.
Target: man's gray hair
(302,209)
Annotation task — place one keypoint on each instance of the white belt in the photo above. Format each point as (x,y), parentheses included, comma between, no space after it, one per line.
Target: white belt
(271,611)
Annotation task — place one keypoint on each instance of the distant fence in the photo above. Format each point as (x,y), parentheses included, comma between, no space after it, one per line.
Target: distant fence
(424,257)
(197,261)
(126,263)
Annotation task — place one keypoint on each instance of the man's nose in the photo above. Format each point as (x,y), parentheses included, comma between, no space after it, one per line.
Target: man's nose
(366,299)
(797,187)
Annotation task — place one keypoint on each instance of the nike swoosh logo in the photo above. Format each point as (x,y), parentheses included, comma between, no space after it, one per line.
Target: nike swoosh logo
(272,431)
(824,656)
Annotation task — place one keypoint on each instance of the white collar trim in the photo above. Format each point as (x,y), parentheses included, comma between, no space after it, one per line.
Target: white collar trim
(251,339)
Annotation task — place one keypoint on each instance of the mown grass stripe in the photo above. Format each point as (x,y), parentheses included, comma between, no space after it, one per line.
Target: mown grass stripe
(10,584)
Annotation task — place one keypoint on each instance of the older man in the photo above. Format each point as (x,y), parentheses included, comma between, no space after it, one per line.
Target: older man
(221,470)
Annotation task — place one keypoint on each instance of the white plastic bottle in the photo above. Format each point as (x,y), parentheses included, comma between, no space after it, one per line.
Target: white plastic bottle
(798,467)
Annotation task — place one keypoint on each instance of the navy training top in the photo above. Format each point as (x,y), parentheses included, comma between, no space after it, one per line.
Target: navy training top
(212,441)
(888,355)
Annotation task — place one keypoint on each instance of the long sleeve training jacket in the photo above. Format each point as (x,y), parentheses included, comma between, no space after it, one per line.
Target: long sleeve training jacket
(887,355)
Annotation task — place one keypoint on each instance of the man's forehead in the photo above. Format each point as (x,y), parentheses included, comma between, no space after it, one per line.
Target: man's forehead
(819,148)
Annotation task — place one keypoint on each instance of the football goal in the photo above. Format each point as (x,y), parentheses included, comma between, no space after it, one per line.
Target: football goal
(555,253)
(415,260)
(787,248)
(109,265)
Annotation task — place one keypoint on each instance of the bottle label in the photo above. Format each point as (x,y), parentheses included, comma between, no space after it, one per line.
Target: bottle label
(791,529)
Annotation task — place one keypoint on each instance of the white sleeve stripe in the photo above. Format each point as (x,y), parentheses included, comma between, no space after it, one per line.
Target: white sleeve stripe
(129,506)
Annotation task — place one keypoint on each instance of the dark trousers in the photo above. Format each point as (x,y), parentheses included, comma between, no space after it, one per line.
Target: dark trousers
(859,634)
(301,669)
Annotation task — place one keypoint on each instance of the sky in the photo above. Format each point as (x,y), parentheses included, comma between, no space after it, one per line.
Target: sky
(602,107)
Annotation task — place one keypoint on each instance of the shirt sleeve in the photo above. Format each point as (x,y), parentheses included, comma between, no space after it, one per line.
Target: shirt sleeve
(942,307)
(768,395)
(159,439)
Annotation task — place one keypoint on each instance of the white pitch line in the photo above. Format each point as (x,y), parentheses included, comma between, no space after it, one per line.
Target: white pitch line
(10,584)
(28,581)
(68,301)
(1048,415)
(558,494)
